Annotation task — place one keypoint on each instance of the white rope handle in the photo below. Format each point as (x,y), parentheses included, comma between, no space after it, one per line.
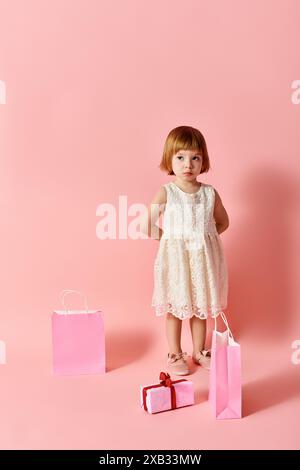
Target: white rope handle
(223,316)
(70,291)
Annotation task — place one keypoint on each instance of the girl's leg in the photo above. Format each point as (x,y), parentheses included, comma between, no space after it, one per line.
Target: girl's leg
(173,329)
(176,362)
(198,330)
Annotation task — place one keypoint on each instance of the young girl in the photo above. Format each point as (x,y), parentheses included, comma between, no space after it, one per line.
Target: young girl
(190,272)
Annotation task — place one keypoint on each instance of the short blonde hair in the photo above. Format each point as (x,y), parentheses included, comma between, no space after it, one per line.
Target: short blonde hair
(184,138)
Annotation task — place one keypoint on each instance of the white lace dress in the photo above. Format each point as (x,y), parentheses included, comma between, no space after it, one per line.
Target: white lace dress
(190,271)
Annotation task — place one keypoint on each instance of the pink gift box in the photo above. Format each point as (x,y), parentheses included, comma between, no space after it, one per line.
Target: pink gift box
(167,395)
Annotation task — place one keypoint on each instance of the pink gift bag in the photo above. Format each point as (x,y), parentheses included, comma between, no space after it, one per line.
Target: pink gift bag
(167,395)
(225,394)
(78,340)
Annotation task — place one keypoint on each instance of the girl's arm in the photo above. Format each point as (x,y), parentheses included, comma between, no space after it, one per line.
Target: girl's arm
(220,214)
(154,210)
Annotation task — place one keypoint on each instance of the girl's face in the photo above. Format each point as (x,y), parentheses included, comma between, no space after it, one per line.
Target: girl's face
(186,164)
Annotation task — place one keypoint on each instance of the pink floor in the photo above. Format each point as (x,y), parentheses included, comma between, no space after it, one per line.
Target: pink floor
(41,411)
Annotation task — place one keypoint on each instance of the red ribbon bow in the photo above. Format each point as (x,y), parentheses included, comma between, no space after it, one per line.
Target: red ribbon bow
(165,381)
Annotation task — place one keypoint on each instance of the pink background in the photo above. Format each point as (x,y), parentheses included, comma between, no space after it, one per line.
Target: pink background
(93,88)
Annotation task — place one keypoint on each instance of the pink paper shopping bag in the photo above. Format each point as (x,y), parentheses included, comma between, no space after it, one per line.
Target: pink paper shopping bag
(78,340)
(225,394)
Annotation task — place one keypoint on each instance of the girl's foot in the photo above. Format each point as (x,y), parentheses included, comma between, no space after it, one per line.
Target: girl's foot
(202,358)
(177,364)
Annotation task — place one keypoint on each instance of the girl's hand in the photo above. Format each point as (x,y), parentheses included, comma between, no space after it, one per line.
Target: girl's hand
(220,214)
(152,214)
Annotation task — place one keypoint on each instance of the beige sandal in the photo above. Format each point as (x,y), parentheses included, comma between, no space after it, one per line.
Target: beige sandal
(202,358)
(177,364)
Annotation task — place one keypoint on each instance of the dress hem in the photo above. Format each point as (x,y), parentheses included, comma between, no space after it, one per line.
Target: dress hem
(203,316)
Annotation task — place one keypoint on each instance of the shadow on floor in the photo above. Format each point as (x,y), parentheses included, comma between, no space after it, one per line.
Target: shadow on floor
(125,347)
(270,391)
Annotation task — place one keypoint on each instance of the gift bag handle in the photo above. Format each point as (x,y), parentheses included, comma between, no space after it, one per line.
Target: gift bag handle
(70,291)
(223,316)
